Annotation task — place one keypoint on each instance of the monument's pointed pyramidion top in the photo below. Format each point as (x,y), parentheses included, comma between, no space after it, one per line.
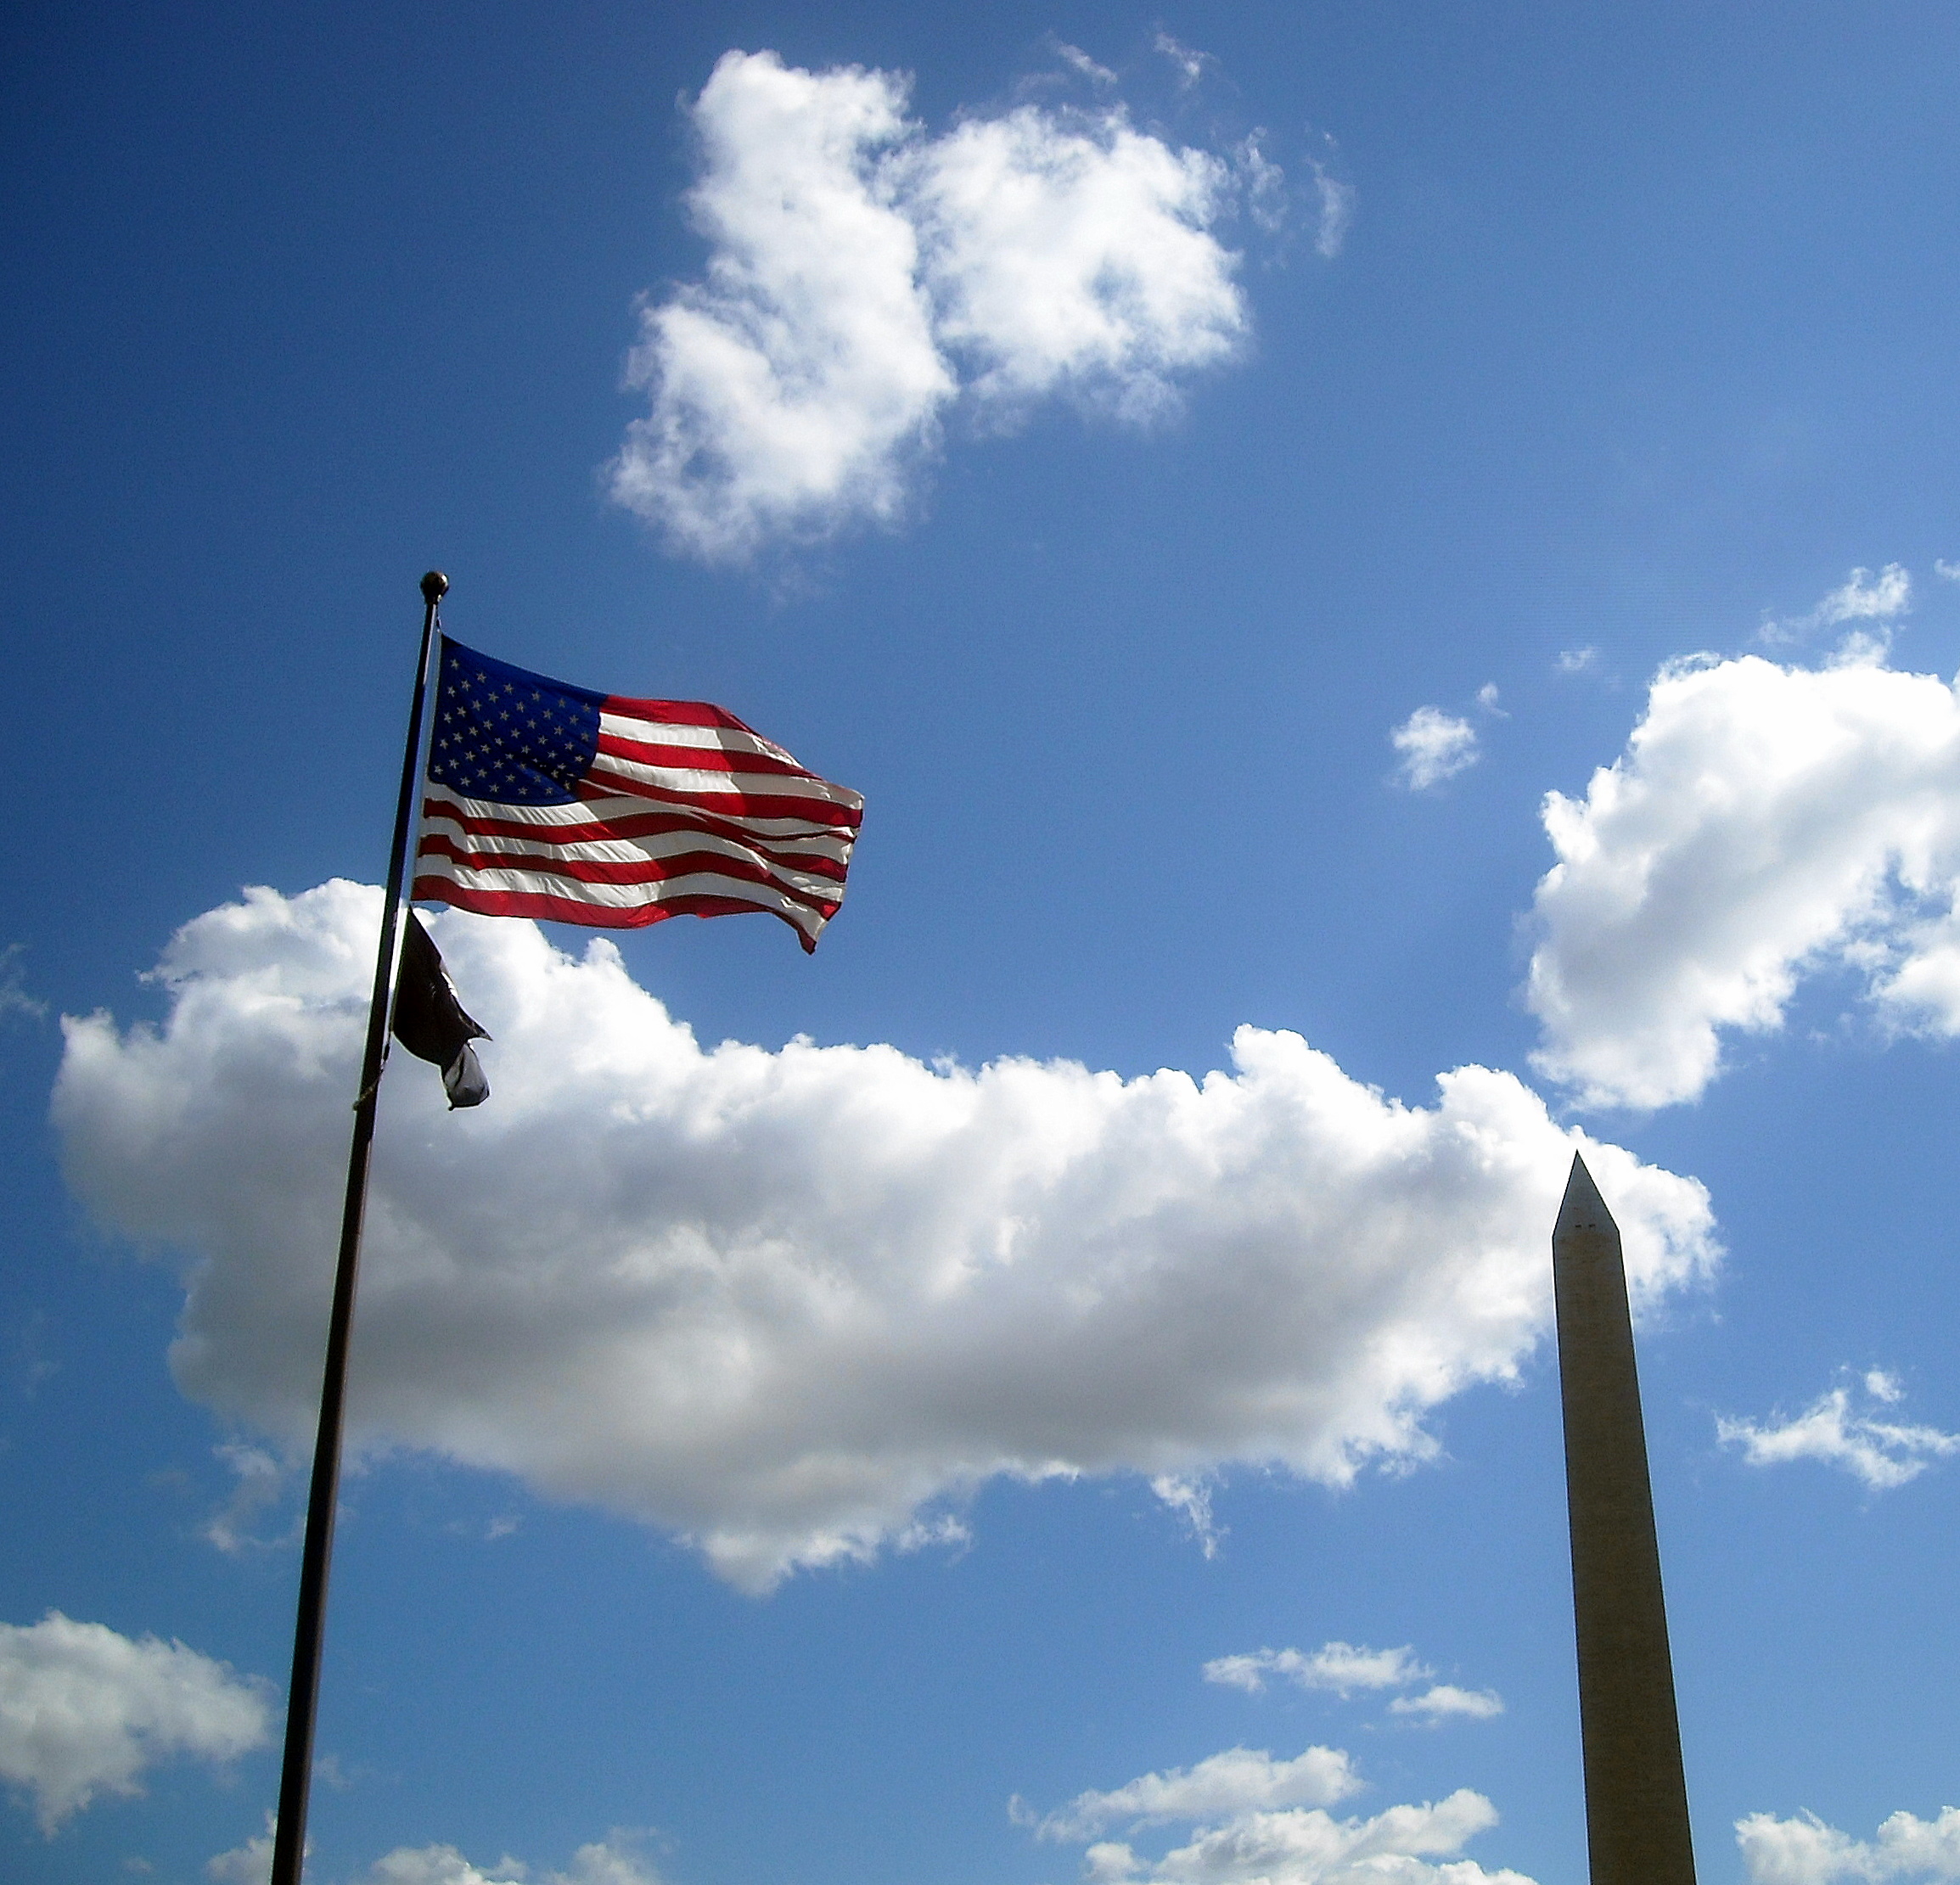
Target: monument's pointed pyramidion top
(1583,1209)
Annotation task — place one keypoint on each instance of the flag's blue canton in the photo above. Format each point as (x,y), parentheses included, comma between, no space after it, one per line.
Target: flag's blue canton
(504,733)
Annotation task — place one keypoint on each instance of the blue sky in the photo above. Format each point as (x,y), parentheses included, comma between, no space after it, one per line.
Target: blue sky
(1345,549)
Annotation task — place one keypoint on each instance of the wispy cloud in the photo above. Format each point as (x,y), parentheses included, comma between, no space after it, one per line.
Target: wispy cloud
(1336,201)
(1344,1668)
(1262,184)
(14,996)
(1445,1702)
(1187,59)
(1435,746)
(1080,62)
(943,1532)
(1337,1667)
(1191,1499)
(1866,598)
(1577,661)
(261,1479)
(1833,1430)
(1862,597)
(24,1356)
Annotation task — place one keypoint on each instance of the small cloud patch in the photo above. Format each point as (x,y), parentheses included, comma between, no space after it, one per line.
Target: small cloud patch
(1434,746)
(1861,597)
(1835,1430)
(1241,1780)
(1445,1702)
(1339,1668)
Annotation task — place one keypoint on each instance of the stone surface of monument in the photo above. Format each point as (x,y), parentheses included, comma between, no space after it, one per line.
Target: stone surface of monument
(1636,1826)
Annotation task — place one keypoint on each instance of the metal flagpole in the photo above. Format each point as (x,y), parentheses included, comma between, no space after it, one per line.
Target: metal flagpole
(295,1774)
(1637,1829)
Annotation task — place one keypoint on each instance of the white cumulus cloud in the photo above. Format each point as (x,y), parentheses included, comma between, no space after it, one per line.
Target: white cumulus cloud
(1076,255)
(1764,822)
(605,1862)
(1835,1431)
(1435,746)
(1805,1851)
(1341,1668)
(1240,1781)
(1308,1845)
(84,1710)
(781,1301)
(795,383)
(862,273)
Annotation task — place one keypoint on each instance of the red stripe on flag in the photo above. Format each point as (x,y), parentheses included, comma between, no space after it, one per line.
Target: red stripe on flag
(591,916)
(647,824)
(675,713)
(601,781)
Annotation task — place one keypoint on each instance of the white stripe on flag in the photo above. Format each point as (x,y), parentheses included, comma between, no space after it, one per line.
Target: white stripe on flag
(668,732)
(628,897)
(691,780)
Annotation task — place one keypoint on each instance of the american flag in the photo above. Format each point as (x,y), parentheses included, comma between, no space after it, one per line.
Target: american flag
(543,799)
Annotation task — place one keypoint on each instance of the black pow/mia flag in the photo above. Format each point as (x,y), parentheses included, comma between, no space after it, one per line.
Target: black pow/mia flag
(431,1023)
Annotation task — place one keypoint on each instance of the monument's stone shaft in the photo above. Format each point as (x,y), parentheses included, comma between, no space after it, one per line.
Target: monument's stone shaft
(1636,1796)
